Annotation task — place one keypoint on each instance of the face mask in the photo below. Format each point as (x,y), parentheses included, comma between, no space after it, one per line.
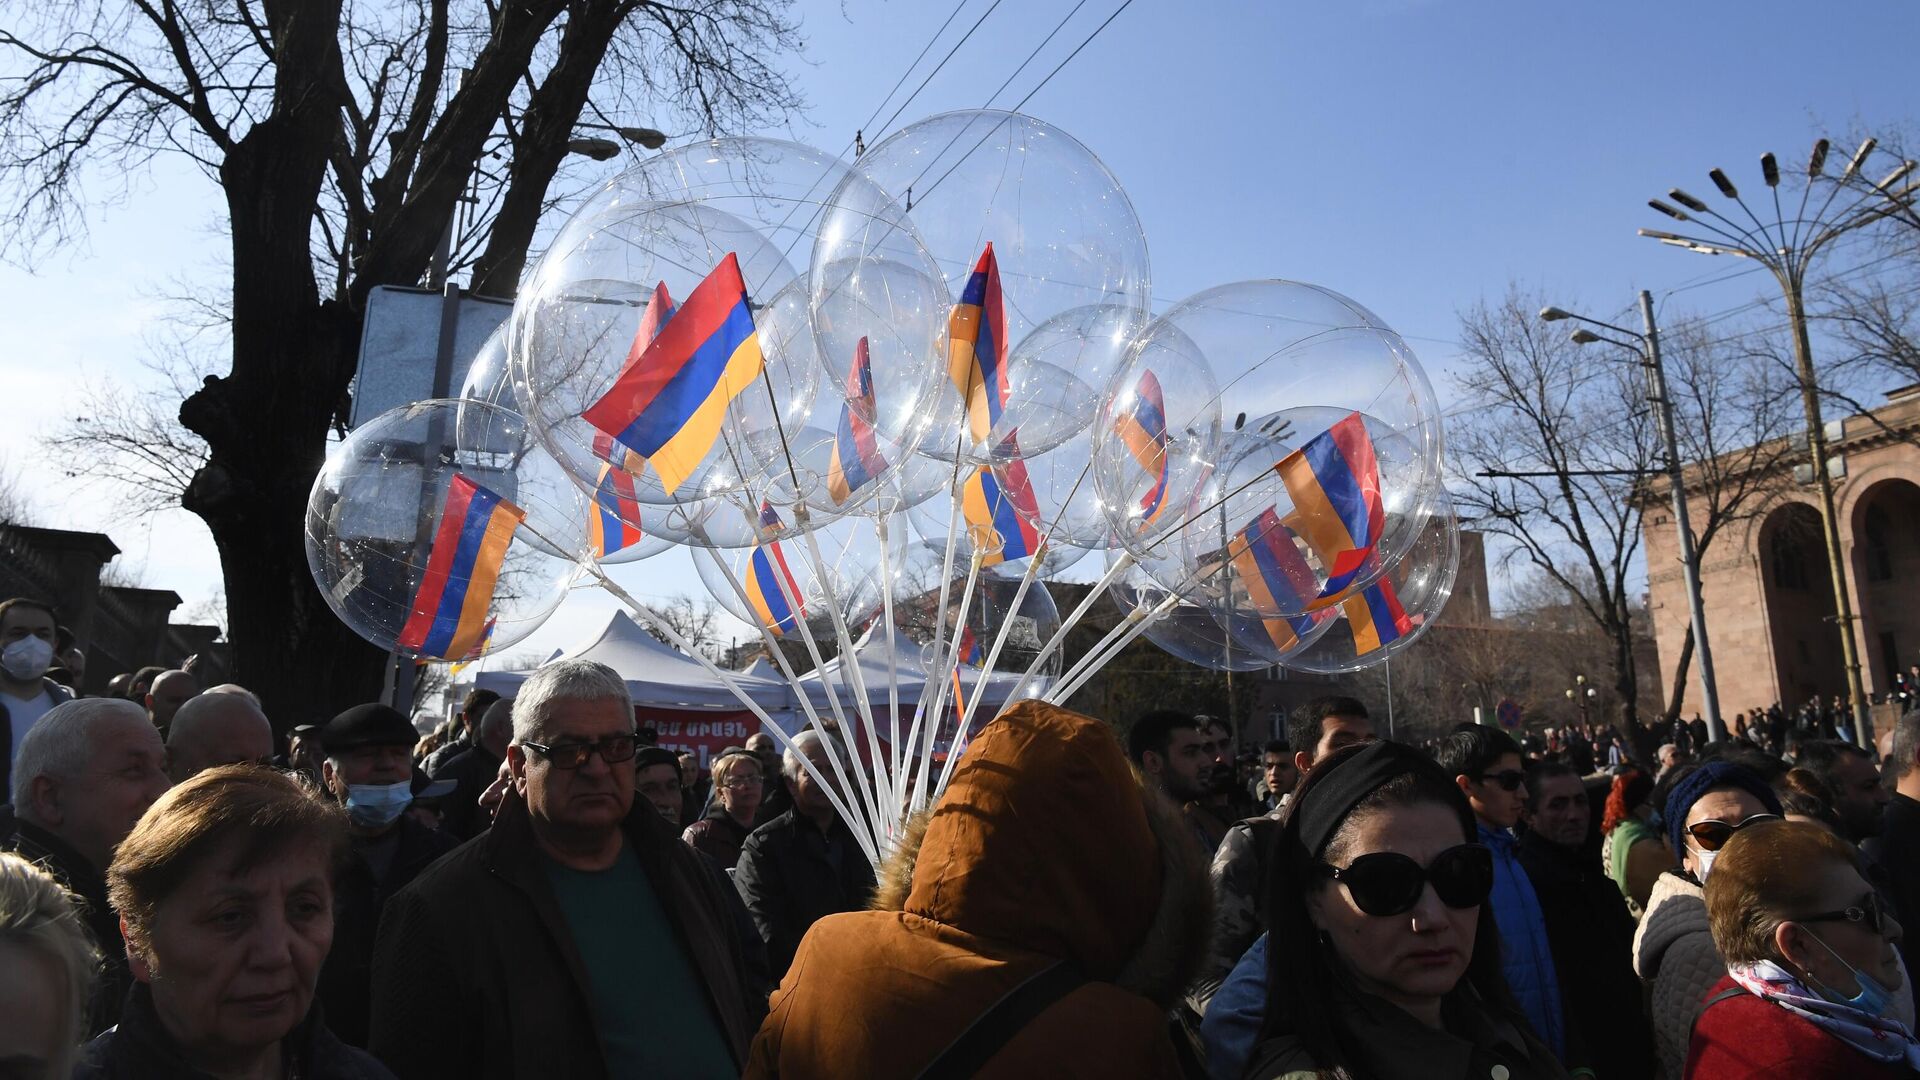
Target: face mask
(1872,998)
(27,658)
(1706,862)
(372,805)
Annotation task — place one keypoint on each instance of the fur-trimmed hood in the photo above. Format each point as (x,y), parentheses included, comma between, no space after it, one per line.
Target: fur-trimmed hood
(1111,846)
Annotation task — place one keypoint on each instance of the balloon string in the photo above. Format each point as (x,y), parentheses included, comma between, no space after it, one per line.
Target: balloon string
(893,671)
(946,671)
(856,822)
(972,701)
(914,736)
(1120,564)
(1091,664)
(679,641)
(852,678)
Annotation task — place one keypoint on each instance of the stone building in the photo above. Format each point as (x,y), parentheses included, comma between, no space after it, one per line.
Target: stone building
(1765,584)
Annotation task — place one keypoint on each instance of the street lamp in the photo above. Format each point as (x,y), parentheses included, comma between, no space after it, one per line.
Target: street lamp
(1646,346)
(646,137)
(1582,695)
(1787,247)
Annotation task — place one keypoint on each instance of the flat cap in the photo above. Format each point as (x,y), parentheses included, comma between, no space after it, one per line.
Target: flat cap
(372,724)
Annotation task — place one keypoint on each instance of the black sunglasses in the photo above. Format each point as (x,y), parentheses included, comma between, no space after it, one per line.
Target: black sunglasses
(1509,780)
(1713,835)
(572,755)
(1389,883)
(1867,911)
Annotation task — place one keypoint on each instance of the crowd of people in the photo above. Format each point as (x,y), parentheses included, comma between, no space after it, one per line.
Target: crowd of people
(540,890)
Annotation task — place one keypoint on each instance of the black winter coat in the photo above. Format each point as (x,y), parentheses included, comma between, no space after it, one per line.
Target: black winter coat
(477,974)
(347,977)
(790,877)
(472,770)
(1591,935)
(140,1049)
(72,870)
(717,836)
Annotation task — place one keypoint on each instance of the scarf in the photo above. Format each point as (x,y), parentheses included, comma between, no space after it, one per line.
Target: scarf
(1878,1037)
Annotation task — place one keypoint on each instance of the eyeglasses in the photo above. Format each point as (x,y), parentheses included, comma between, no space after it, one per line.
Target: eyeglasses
(571,755)
(1713,835)
(1389,883)
(742,782)
(1509,779)
(1869,912)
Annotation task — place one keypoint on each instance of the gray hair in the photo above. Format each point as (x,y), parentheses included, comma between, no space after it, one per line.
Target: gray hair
(61,742)
(235,689)
(40,916)
(564,680)
(805,743)
(1906,742)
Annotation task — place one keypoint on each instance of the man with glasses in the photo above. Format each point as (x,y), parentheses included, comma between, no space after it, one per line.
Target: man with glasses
(579,895)
(1673,950)
(1487,766)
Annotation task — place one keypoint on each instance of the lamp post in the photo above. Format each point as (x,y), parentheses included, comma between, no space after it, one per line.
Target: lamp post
(1647,348)
(1582,695)
(1787,247)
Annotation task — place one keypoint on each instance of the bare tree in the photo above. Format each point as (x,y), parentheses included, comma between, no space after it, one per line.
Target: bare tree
(15,507)
(132,438)
(344,138)
(698,621)
(1555,465)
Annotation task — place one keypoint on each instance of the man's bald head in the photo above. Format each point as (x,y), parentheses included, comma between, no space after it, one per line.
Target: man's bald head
(170,690)
(216,729)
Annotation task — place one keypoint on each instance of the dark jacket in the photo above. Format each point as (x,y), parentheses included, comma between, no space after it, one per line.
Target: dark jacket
(442,756)
(141,1049)
(775,799)
(717,836)
(477,975)
(60,694)
(472,771)
(346,978)
(1742,1037)
(72,870)
(1896,851)
(790,876)
(1591,935)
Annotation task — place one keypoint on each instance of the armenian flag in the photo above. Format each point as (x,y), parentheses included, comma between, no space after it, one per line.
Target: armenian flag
(613,524)
(969,647)
(769,581)
(479,649)
(1009,513)
(449,617)
(1376,617)
(667,405)
(1334,481)
(1275,575)
(856,454)
(977,347)
(660,308)
(1143,428)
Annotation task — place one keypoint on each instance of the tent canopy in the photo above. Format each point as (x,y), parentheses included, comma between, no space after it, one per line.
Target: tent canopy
(656,674)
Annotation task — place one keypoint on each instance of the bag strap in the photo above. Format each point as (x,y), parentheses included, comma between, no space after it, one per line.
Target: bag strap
(1734,991)
(994,1029)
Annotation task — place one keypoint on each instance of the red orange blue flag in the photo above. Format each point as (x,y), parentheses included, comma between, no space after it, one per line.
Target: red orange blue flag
(1276,577)
(1143,429)
(1000,510)
(856,453)
(449,615)
(769,583)
(1376,617)
(613,523)
(1334,481)
(977,347)
(969,646)
(667,406)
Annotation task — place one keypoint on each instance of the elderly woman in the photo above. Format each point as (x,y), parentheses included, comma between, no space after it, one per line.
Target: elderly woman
(1811,967)
(737,787)
(1381,958)
(226,890)
(47,963)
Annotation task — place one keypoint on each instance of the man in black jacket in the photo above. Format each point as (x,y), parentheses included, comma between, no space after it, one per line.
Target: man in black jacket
(578,937)
(1897,849)
(1588,927)
(803,864)
(473,769)
(369,768)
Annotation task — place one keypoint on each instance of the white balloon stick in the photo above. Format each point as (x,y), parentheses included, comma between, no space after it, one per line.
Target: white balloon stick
(939,631)
(1090,665)
(893,669)
(1120,564)
(948,672)
(854,679)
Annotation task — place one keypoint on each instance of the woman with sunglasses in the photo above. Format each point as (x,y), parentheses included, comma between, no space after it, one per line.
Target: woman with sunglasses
(1811,965)
(1383,959)
(1673,951)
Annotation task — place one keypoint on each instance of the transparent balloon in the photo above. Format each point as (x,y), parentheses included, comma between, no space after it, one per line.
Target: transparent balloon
(1187,631)
(889,312)
(489,377)
(441,530)
(1156,437)
(777,582)
(1388,617)
(1063,236)
(995,511)
(1028,626)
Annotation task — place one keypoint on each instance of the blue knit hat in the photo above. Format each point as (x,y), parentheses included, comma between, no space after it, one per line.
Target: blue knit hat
(1714,774)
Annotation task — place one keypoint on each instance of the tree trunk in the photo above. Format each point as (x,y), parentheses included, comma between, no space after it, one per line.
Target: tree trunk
(1678,695)
(266,423)
(1627,684)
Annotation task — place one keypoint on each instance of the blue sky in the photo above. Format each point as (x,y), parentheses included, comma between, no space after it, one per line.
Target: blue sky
(1414,155)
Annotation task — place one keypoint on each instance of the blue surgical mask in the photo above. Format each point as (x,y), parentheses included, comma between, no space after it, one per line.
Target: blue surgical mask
(371,806)
(1873,998)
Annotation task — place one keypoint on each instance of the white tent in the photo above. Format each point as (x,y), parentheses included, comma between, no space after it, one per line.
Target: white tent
(657,676)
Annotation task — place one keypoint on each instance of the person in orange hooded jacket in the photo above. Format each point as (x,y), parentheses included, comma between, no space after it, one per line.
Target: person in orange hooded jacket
(1045,868)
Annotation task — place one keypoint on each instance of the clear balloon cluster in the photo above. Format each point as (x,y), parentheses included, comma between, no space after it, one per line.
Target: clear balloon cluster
(902,394)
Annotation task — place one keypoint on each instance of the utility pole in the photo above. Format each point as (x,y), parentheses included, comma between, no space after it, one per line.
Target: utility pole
(1689,559)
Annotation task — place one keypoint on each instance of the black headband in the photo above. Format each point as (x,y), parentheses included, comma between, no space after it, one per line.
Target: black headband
(1319,810)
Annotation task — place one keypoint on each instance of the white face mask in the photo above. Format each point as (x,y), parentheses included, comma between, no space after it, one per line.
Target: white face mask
(1706,862)
(27,658)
